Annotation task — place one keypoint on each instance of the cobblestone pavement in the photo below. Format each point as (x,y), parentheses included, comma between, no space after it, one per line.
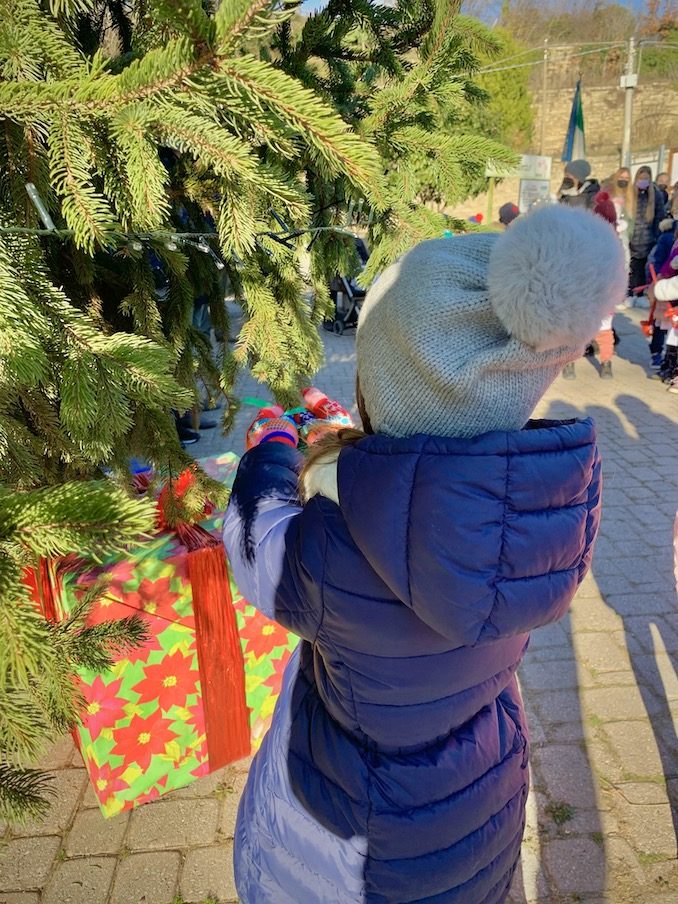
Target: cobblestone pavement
(600,687)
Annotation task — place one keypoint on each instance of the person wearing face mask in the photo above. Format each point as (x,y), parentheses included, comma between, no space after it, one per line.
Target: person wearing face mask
(578,189)
(647,212)
(619,188)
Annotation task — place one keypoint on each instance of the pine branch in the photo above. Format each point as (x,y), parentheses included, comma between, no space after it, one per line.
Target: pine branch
(146,176)
(95,518)
(238,20)
(23,631)
(59,57)
(23,361)
(206,140)
(24,793)
(237,224)
(97,647)
(341,150)
(446,11)
(85,210)
(70,8)
(185,16)
(142,304)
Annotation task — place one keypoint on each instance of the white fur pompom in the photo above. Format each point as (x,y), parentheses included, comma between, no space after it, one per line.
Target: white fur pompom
(554,275)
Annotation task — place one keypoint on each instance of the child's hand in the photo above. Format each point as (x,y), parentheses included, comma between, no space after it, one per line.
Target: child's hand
(272,430)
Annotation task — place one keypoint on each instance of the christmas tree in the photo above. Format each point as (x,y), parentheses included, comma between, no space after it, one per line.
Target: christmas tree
(165,144)
(402,75)
(130,126)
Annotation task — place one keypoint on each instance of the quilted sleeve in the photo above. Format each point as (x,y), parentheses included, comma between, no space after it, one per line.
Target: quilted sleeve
(275,554)
(528,597)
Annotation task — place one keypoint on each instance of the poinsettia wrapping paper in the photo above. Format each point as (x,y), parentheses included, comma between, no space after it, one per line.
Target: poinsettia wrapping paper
(144,731)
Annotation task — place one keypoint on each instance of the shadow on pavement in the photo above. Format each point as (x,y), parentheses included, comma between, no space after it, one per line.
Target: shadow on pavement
(650,617)
(631,654)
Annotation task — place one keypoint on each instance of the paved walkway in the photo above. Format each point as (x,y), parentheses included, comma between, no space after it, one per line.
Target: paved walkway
(600,687)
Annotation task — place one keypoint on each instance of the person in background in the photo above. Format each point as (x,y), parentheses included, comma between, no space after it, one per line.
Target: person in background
(673,202)
(667,270)
(578,189)
(661,292)
(508,213)
(604,342)
(647,212)
(619,188)
(662,184)
(658,257)
(662,249)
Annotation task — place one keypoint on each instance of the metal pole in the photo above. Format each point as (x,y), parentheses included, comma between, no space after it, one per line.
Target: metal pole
(628,82)
(544,89)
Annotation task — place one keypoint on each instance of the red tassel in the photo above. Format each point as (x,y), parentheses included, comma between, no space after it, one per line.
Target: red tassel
(220,660)
(48,587)
(42,583)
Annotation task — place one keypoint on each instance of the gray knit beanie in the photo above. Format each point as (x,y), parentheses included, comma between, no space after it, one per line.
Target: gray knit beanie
(464,335)
(578,169)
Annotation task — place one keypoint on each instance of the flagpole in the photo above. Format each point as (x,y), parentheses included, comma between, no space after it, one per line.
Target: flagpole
(628,81)
(544,104)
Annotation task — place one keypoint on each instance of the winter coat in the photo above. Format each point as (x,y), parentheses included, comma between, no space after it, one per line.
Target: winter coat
(586,196)
(660,255)
(643,235)
(395,769)
(667,289)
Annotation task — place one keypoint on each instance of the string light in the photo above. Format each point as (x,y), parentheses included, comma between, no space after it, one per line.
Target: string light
(174,240)
(40,206)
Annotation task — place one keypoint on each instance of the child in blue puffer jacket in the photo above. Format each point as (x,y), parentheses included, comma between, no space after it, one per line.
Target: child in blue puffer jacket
(427,548)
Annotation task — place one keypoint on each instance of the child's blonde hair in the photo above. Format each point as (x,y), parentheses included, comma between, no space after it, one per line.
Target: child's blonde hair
(335,441)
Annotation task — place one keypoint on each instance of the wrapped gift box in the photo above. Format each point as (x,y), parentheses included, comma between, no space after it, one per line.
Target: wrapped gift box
(176,708)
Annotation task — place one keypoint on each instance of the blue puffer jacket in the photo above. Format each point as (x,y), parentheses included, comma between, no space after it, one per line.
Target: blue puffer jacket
(396,766)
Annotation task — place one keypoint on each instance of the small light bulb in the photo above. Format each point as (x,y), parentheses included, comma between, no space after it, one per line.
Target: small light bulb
(171,246)
(136,246)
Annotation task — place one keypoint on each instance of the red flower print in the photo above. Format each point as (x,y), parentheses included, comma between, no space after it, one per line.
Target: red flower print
(274,681)
(103,706)
(170,681)
(152,596)
(202,769)
(106,781)
(197,719)
(152,644)
(262,636)
(239,602)
(108,608)
(122,572)
(149,797)
(141,739)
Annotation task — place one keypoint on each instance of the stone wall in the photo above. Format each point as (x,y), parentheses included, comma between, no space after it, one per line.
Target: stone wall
(655,122)
(655,118)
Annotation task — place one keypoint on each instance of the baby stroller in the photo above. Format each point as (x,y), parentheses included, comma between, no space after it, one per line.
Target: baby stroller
(347,296)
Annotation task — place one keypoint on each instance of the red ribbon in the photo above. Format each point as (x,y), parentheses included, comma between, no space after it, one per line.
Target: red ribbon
(220,659)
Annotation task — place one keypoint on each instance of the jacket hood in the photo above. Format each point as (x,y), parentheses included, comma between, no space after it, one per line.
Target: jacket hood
(482,537)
